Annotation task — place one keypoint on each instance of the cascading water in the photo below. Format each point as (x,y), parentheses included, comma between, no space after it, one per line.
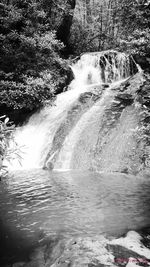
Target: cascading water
(92,126)
(89,118)
(65,135)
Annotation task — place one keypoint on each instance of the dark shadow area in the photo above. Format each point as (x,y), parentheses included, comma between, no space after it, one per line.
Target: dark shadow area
(18,116)
(14,247)
(145,233)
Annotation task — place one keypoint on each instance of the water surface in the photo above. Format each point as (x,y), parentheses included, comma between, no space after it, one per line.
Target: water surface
(38,203)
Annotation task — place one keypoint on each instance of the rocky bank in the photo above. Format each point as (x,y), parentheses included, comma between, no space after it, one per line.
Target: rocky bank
(99,251)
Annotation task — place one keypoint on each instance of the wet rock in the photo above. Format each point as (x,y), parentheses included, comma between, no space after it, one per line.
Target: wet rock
(78,108)
(19,264)
(38,254)
(49,165)
(125,170)
(122,254)
(84,97)
(125,98)
(53,251)
(91,252)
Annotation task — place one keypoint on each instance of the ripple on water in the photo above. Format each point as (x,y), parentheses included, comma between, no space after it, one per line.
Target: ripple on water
(74,203)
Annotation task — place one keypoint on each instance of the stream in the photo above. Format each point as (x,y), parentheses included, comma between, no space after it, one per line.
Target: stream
(37,204)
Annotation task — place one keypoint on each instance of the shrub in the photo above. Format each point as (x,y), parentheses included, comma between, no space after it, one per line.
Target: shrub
(8,147)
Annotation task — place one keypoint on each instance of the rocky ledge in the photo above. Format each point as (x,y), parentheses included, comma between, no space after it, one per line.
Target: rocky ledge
(129,251)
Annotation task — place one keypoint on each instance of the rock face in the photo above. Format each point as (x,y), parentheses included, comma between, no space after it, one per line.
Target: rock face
(63,31)
(123,144)
(79,107)
(115,138)
(89,252)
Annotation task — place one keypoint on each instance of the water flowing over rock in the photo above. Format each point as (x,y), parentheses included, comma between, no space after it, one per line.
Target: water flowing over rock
(96,124)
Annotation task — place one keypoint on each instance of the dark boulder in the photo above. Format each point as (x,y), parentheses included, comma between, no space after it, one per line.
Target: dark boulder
(143,61)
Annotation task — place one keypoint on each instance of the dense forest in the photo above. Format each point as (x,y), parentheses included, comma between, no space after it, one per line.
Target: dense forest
(38,38)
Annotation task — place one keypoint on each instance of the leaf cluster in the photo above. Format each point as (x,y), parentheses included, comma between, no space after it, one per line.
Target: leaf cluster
(31,67)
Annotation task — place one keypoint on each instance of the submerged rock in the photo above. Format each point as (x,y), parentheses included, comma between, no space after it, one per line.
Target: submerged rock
(49,165)
(89,252)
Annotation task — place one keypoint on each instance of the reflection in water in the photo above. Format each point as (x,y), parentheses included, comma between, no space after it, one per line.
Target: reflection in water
(37,204)
(73,203)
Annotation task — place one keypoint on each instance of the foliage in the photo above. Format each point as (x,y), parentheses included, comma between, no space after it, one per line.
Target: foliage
(135,27)
(31,68)
(8,147)
(108,24)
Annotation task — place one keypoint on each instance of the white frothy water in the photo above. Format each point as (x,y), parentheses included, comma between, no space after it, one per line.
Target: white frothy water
(38,133)
(36,137)
(65,156)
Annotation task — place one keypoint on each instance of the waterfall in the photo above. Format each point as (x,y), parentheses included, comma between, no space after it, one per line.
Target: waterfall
(61,136)
(94,114)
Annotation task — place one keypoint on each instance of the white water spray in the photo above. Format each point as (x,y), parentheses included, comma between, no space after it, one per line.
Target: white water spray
(36,137)
(65,156)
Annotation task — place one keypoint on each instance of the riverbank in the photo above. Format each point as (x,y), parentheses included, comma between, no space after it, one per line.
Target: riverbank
(131,250)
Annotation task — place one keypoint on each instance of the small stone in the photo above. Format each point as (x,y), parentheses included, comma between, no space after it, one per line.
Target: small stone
(49,165)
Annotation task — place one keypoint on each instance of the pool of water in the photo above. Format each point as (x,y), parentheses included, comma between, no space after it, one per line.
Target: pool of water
(36,204)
